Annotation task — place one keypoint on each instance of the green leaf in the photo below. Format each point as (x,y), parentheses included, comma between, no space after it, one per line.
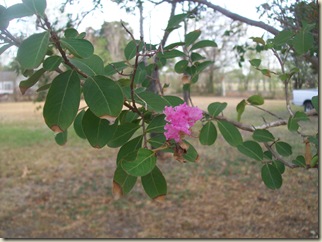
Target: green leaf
(271,176)
(19,10)
(153,101)
(97,131)
(128,116)
(268,155)
(180,66)
(70,33)
(283,37)
(203,44)
(192,37)
(266,72)
(44,87)
(240,108)
(80,48)
(303,42)
(230,133)
(300,116)
(192,154)
(216,108)
(140,76)
(131,48)
(32,80)
(314,161)
(62,101)
(196,57)
(300,161)
(255,62)
(258,40)
(129,150)
(279,165)
(124,181)
(154,183)
(4,22)
(143,164)
(170,54)
(251,149)
(256,100)
(172,100)
(61,138)
(284,149)
(292,124)
(173,45)
(103,96)
(52,63)
(78,124)
(37,6)
(122,134)
(315,102)
(157,124)
(157,141)
(263,135)
(200,66)
(115,67)
(174,21)
(32,50)
(91,66)
(208,134)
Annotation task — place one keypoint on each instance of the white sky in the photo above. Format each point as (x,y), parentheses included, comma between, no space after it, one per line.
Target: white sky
(155,17)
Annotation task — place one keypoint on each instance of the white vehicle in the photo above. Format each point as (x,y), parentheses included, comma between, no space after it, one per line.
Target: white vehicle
(302,97)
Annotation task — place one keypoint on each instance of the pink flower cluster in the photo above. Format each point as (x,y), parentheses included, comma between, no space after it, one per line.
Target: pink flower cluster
(180,119)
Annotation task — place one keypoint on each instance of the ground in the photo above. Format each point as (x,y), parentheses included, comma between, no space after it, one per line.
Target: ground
(51,191)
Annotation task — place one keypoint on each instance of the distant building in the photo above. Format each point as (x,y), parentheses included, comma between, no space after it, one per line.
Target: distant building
(9,87)
(8,80)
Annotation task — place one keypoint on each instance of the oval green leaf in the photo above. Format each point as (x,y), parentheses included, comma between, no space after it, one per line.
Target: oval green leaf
(37,6)
(192,37)
(78,124)
(263,135)
(157,124)
(32,50)
(92,65)
(143,164)
(154,183)
(251,149)
(271,176)
(31,81)
(122,134)
(129,148)
(203,44)
(256,100)
(97,131)
(103,96)
(52,63)
(61,138)
(240,109)
(283,148)
(230,133)
(180,66)
(208,134)
(62,101)
(216,108)
(125,181)
(80,48)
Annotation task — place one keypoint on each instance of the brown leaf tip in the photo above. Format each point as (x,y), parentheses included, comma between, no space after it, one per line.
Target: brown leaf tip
(56,129)
(117,191)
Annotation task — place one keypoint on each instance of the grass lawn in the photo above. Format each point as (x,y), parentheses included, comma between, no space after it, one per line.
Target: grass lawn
(52,191)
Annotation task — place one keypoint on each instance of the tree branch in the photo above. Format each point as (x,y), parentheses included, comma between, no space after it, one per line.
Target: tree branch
(237,17)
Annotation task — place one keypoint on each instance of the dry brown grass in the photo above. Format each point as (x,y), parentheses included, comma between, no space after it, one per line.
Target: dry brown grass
(48,191)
